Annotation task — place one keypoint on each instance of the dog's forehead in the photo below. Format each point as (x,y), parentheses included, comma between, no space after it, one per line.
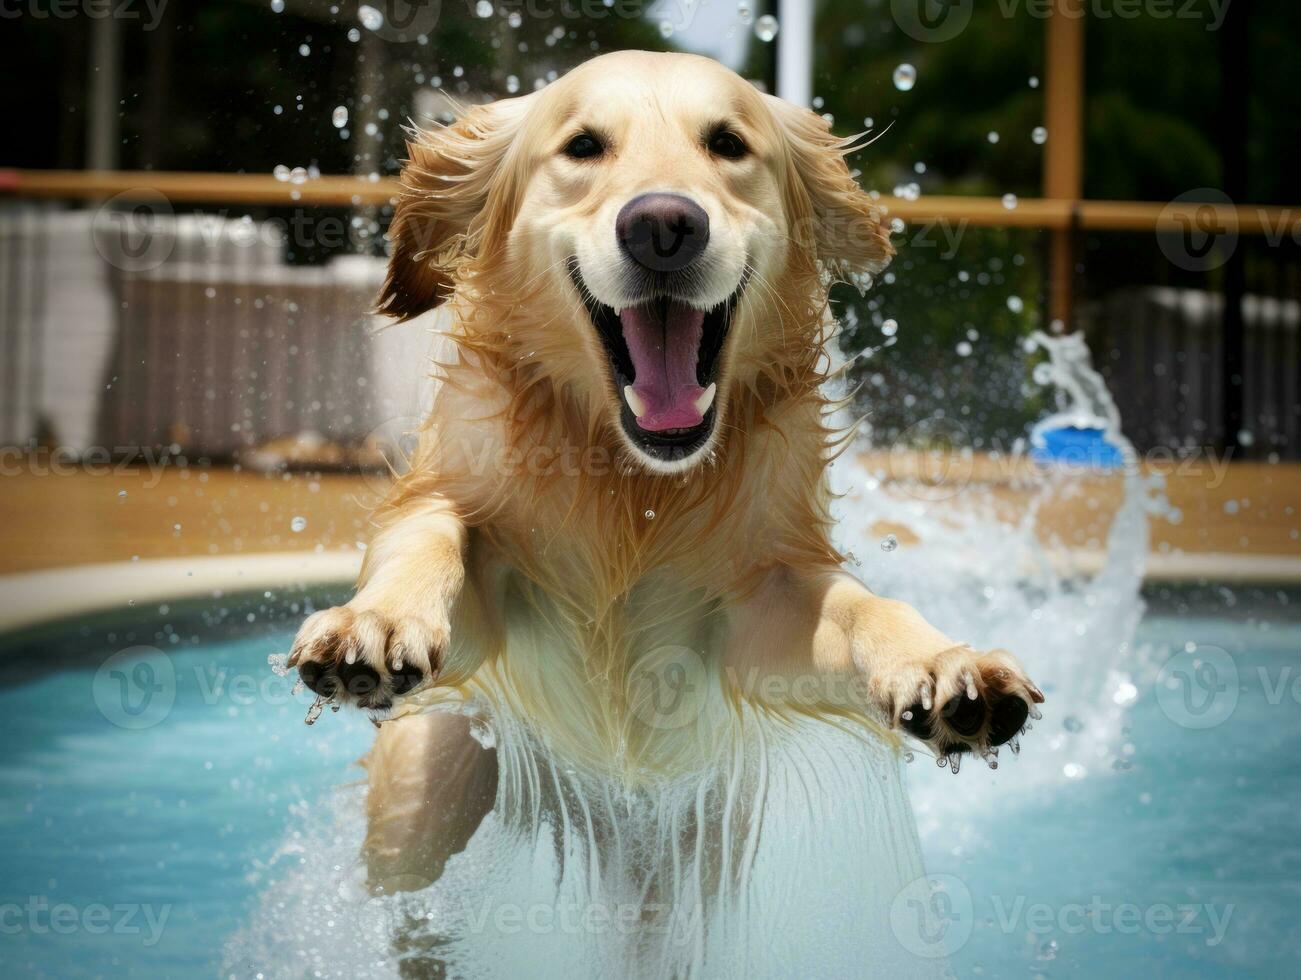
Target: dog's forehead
(617,88)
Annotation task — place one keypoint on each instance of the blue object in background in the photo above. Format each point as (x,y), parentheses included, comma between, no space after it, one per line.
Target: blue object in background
(1077,447)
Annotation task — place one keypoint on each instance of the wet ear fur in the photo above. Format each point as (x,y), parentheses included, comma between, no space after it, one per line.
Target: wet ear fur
(829,211)
(456,201)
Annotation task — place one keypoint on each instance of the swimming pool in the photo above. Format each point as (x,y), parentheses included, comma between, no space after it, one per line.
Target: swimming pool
(157,775)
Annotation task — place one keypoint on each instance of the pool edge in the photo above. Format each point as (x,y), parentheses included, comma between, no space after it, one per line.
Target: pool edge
(34,598)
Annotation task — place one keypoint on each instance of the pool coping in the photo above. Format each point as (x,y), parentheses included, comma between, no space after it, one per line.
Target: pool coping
(35,598)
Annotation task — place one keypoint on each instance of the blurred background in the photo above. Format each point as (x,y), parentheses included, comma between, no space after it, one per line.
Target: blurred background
(195,197)
(198,409)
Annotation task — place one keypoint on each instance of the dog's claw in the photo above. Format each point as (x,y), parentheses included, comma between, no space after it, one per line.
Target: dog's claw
(968,702)
(366,658)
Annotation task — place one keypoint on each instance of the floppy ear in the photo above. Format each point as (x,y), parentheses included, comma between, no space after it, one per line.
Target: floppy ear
(456,200)
(828,210)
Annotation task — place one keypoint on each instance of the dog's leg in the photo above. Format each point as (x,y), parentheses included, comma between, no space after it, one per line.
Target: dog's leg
(821,640)
(394,635)
(431,784)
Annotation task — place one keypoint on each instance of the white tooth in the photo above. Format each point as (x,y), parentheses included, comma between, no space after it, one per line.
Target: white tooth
(707,399)
(635,401)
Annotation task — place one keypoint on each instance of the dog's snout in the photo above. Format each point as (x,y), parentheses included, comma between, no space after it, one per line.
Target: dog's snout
(662,232)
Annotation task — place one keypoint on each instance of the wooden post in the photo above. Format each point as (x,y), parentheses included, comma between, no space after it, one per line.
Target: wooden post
(103,89)
(1064,157)
(1235,75)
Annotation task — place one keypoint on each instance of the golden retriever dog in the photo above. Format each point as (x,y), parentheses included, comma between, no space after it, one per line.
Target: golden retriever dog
(621,496)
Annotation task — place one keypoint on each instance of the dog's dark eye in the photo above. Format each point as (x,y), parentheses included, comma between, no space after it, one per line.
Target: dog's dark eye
(583,146)
(725,143)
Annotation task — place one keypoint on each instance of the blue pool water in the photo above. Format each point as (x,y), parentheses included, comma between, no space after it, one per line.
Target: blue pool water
(146,794)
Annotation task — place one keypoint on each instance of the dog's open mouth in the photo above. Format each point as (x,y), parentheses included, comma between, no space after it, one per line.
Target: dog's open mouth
(664,357)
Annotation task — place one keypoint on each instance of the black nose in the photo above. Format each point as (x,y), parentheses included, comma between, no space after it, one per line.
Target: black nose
(662,232)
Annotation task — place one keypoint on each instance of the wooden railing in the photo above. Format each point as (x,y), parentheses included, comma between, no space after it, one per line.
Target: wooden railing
(345,191)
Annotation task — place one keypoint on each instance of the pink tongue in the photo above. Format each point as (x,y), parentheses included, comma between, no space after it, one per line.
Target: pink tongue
(664,357)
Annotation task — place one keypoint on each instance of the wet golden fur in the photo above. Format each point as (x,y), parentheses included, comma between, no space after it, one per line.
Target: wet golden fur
(529,557)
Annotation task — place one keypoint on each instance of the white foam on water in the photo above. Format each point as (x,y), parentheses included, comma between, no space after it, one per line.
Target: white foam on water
(789,859)
(995,584)
(785,861)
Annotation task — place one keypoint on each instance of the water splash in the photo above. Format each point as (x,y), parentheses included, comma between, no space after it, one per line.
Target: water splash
(1068,616)
(574,877)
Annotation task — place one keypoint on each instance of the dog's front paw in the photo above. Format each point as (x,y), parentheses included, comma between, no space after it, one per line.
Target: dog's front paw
(366,656)
(959,700)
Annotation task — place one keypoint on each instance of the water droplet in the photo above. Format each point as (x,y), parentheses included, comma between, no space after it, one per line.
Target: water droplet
(992,136)
(339,116)
(744,12)
(650,515)
(1072,724)
(121,493)
(304,49)
(889,543)
(1073,770)
(666,29)
(314,711)
(1010,202)
(1034,81)
(890,327)
(1015,303)
(372,20)
(279,663)
(905,77)
(1039,134)
(483,9)
(298,524)
(964,348)
(766,27)
(277,6)
(281,172)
